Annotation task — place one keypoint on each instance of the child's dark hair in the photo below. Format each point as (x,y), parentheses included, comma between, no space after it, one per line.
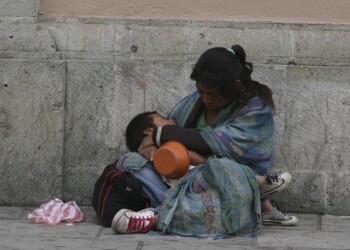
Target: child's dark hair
(134,131)
(220,67)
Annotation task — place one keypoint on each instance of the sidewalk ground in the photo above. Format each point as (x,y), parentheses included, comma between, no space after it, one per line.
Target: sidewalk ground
(311,232)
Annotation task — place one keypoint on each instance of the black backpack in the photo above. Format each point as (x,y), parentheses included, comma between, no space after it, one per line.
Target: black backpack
(114,190)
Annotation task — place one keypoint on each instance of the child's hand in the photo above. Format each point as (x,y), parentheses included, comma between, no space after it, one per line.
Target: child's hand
(146,142)
(196,158)
(147,148)
(148,152)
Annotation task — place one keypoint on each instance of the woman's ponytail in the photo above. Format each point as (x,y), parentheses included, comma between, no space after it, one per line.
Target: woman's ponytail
(252,87)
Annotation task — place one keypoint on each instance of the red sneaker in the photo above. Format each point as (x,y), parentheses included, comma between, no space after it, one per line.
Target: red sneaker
(127,221)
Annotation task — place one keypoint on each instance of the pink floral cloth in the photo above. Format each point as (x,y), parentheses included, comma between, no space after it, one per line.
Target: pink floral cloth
(56,211)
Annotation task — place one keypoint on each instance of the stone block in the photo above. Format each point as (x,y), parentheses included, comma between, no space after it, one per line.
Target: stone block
(338,193)
(322,44)
(317,135)
(55,34)
(306,193)
(10,213)
(25,229)
(91,37)
(302,239)
(31,130)
(56,41)
(152,40)
(270,43)
(148,86)
(23,37)
(92,130)
(18,8)
(331,223)
(274,76)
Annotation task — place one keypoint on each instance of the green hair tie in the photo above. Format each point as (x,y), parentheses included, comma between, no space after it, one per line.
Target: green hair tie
(231,50)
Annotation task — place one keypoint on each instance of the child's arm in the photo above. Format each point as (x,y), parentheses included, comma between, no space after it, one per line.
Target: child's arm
(147,148)
(195,158)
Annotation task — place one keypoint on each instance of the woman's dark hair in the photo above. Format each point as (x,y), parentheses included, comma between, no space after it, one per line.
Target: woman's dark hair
(220,68)
(134,131)
(252,87)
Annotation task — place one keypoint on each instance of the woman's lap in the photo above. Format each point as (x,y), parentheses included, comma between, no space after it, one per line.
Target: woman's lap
(217,199)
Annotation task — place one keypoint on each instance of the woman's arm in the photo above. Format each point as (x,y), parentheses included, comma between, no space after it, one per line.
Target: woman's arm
(189,137)
(148,148)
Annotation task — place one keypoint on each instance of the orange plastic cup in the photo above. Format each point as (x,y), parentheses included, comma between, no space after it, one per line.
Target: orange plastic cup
(172,160)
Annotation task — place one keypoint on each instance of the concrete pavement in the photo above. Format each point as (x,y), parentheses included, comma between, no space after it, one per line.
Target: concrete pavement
(311,232)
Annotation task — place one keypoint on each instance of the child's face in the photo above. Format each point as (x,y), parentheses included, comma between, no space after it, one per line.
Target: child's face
(159,120)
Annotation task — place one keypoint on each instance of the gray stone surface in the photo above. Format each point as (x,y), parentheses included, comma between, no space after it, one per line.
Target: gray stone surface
(276,42)
(316,130)
(319,44)
(69,86)
(275,76)
(92,137)
(25,37)
(31,130)
(152,40)
(307,192)
(18,8)
(311,232)
(91,37)
(338,191)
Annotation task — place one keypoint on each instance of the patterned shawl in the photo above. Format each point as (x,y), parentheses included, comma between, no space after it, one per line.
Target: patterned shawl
(245,135)
(215,200)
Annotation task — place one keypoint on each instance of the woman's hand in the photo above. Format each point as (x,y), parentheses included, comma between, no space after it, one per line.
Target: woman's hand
(147,148)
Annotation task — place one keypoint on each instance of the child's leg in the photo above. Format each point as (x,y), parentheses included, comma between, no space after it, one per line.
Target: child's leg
(261,180)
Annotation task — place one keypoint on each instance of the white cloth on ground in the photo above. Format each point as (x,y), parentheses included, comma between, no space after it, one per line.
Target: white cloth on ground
(55,211)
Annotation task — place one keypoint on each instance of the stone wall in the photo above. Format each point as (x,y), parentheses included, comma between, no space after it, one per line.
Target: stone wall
(69,86)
